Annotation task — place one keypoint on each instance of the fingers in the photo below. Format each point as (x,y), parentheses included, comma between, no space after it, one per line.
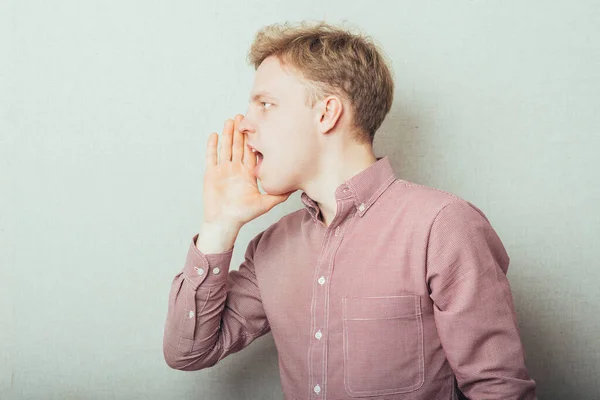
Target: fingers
(237,152)
(232,146)
(226,140)
(211,149)
(249,158)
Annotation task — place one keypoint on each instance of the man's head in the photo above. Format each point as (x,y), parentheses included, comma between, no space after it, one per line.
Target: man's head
(318,91)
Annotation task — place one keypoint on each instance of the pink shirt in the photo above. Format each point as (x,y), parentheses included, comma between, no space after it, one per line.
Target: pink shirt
(404,293)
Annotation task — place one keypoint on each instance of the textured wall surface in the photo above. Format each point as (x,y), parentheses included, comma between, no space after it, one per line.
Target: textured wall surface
(105,109)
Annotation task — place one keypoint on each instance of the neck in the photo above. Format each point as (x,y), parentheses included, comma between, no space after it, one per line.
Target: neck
(334,171)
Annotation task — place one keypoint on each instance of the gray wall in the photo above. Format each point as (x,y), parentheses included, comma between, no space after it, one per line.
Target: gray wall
(106,108)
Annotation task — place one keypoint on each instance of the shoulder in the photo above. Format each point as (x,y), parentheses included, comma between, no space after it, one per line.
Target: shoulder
(429,200)
(283,229)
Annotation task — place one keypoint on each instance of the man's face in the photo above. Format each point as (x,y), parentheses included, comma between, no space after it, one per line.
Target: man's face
(282,128)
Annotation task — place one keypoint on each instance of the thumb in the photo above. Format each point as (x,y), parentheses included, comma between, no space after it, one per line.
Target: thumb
(274,199)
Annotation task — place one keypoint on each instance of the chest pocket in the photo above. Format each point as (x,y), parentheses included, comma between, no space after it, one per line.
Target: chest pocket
(383,345)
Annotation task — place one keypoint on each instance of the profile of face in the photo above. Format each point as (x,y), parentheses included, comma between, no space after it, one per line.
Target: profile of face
(282,128)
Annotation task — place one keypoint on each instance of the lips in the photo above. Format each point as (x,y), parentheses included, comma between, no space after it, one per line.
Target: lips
(258,164)
(256,152)
(259,159)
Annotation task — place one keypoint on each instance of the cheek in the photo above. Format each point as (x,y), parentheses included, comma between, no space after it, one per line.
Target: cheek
(288,136)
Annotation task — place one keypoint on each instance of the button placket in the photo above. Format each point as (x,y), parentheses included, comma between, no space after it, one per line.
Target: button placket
(317,358)
(317,367)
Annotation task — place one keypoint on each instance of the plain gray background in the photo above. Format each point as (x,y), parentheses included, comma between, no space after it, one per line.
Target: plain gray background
(106,107)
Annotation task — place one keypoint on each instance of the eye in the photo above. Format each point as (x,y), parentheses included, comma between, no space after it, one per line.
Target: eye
(263,103)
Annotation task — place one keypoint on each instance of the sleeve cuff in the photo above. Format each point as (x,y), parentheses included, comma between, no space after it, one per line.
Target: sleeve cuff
(212,269)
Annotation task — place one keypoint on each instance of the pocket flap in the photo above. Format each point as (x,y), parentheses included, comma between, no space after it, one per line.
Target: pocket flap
(383,307)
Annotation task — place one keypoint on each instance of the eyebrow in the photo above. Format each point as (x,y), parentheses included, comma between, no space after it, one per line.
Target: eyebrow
(260,94)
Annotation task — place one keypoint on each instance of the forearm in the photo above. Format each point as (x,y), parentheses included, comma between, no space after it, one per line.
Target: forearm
(212,312)
(216,238)
(196,301)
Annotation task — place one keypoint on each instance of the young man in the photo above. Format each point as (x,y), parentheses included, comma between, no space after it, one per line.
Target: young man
(378,286)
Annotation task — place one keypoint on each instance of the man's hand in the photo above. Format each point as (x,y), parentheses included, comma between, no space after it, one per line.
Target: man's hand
(231,195)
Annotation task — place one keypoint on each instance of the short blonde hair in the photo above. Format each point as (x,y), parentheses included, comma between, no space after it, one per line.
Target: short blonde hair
(333,60)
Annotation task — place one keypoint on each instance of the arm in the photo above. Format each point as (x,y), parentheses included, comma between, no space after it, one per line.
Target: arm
(213,313)
(473,305)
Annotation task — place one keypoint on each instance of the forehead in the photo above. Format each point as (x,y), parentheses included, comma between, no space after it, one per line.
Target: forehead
(273,80)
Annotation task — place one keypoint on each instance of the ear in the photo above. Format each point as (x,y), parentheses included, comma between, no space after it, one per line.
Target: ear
(329,113)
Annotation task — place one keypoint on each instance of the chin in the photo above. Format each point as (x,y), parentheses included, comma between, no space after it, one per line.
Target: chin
(276,189)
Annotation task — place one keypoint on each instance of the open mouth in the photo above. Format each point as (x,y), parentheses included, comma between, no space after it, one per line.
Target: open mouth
(259,160)
(258,154)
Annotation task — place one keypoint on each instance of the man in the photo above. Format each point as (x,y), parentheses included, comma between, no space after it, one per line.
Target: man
(378,286)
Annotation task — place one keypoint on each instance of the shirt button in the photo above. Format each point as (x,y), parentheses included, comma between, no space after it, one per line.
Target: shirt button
(317,389)
(361,207)
(200,271)
(191,315)
(321,280)
(216,270)
(318,335)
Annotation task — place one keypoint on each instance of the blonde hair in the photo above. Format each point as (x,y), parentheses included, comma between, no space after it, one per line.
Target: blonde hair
(333,60)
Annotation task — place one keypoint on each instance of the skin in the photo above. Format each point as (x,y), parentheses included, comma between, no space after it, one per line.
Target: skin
(304,148)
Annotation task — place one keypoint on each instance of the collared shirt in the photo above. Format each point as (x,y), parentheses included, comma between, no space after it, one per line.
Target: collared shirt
(403,296)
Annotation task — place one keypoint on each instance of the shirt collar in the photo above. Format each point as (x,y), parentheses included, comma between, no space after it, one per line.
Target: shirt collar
(363,188)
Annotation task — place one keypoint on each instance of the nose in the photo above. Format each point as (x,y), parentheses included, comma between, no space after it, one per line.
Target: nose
(245,126)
